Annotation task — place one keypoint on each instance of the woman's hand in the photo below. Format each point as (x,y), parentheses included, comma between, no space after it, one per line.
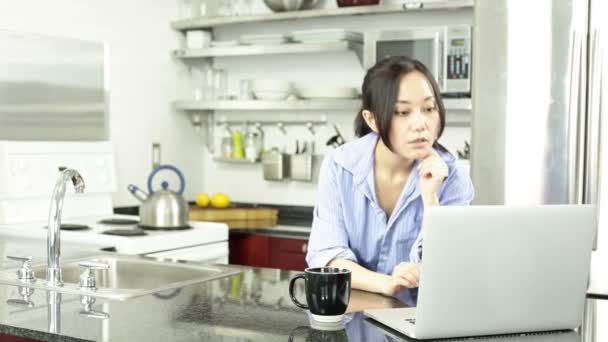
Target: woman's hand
(432,170)
(406,275)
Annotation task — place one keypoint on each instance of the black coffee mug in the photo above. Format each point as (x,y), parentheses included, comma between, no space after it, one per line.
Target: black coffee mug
(327,292)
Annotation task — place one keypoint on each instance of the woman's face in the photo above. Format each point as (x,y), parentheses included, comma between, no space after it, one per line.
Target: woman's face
(415,123)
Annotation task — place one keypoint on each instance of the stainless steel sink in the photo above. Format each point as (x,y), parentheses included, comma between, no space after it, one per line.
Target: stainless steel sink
(128,276)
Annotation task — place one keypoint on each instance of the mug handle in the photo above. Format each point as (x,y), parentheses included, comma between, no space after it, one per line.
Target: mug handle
(292,283)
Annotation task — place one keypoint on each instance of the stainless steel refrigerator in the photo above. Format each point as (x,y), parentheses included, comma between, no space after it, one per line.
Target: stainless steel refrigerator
(540,103)
(540,100)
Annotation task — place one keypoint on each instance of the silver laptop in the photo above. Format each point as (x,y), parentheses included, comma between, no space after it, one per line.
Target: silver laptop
(489,270)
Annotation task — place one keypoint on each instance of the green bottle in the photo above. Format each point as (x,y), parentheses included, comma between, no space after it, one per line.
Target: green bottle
(237,148)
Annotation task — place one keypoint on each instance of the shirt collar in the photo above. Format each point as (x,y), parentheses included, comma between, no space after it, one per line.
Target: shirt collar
(357,157)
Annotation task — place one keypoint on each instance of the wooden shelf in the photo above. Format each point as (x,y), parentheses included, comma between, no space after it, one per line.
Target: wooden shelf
(209,22)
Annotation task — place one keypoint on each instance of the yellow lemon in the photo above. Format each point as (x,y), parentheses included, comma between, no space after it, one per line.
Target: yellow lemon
(202,200)
(220,200)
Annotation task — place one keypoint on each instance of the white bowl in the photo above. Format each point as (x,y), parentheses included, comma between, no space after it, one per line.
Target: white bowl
(277,86)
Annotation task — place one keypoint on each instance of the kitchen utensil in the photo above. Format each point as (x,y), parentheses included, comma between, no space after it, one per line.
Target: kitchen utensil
(343,3)
(335,140)
(275,165)
(326,35)
(289,5)
(236,217)
(162,209)
(197,39)
(263,39)
(300,167)
(270,89)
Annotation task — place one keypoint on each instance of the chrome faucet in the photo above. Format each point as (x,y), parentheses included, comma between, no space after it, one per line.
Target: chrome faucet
(53,242)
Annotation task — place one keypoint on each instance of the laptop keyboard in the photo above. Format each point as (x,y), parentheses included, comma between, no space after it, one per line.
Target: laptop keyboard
(411,320)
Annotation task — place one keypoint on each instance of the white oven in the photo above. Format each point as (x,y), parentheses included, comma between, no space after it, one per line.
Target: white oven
(28,172)
(445,50)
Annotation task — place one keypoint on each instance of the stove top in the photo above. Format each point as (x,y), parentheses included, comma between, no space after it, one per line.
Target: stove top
(102,234)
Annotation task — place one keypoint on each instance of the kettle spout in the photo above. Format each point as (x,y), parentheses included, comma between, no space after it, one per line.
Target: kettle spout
(137,192)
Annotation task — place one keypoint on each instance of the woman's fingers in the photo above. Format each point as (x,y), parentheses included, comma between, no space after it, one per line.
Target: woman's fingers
(409,272)
(404,282)
(411,279)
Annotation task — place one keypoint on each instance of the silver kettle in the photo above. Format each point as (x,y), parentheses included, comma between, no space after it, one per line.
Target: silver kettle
(162,209)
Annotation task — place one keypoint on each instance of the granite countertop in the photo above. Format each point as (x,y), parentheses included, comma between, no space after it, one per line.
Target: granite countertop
(251,306)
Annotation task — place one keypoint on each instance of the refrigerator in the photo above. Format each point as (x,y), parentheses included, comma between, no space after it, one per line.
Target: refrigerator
(539,107)
(539,103)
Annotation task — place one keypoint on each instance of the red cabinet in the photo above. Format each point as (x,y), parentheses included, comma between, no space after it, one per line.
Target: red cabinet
(266,251)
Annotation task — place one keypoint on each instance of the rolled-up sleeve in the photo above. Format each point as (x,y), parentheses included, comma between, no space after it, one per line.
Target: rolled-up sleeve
(457,190)
(328,237)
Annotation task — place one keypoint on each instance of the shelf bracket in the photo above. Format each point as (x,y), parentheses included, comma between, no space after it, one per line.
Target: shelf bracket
(357,48)
(197,118)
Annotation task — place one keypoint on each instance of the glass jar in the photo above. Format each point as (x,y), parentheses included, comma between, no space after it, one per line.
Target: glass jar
(226,148)
(252,146)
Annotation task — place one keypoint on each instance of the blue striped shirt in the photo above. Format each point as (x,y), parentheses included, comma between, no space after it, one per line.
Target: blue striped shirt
(349,223)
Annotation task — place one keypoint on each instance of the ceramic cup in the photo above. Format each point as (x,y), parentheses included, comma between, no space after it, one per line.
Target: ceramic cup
(327,292)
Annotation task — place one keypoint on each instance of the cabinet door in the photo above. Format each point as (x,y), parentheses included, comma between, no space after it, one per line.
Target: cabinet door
(288,254)
(249,250)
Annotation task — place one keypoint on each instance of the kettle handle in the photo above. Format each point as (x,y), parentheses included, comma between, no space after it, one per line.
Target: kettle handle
(182,182)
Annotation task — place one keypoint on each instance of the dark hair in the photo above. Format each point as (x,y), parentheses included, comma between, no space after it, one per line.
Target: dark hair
(380,90)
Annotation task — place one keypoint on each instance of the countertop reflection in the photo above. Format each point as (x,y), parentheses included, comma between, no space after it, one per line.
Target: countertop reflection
(253,306)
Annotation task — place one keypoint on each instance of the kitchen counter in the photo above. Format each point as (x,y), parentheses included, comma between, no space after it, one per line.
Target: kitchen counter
(281,230)
(252,306)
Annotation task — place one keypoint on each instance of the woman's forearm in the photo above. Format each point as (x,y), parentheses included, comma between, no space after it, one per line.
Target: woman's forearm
(361,277)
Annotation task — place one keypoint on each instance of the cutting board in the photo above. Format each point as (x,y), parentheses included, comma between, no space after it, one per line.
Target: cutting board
(237,217)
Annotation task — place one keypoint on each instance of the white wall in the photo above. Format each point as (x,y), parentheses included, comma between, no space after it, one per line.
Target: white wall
(142,78)
(245,182)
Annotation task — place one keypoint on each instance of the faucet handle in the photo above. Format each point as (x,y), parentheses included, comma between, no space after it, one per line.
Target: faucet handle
(87,278)
(25,272)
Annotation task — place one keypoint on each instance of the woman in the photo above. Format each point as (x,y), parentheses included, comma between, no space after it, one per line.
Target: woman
(373,191)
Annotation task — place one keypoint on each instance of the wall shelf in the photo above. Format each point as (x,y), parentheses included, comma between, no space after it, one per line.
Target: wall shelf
(210,22)
(287,48)
(297,105)
(235,161)
(252,105)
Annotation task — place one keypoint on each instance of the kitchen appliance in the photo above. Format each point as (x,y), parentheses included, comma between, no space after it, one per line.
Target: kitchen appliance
(540,108)
(28,172)
(445,50)
(164,208)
